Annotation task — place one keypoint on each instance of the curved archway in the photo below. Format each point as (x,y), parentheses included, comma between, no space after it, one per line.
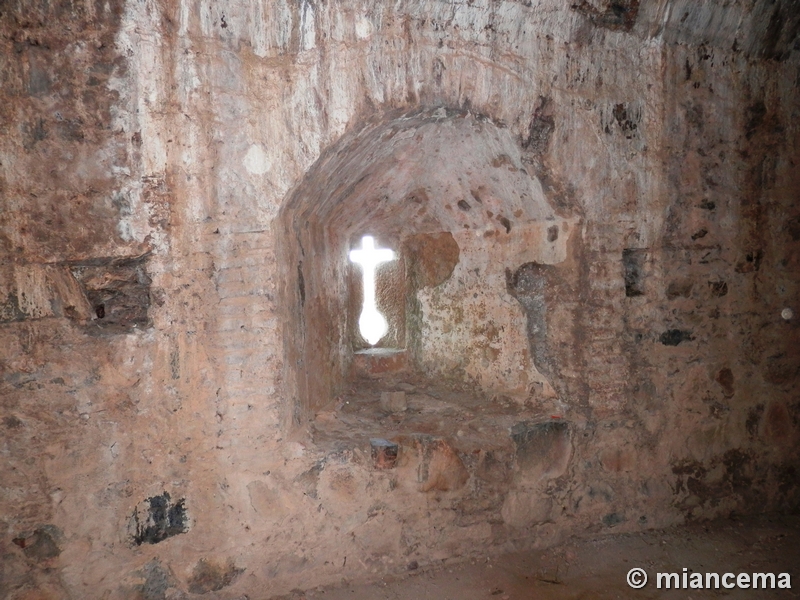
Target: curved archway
(448,190)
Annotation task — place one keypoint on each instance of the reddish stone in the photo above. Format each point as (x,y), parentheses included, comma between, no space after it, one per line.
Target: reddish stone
(377,361)
(384,453)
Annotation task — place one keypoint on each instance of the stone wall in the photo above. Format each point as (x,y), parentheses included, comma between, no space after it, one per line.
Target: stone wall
(150,439)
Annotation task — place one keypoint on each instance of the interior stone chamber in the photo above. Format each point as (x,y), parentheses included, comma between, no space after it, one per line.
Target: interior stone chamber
(592,313)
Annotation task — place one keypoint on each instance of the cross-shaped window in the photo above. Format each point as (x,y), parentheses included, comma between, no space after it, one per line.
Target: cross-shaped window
(371,324)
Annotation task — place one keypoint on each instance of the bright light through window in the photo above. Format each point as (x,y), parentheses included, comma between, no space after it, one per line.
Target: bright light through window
(371,323)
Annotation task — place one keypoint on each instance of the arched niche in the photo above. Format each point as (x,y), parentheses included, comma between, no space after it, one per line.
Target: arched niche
(448,191)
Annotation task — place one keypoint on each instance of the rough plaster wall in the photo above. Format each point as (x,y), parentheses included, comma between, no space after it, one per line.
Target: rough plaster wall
(204,115)
(473,330)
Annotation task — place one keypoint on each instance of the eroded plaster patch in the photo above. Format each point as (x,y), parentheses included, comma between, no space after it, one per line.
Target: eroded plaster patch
(256,160)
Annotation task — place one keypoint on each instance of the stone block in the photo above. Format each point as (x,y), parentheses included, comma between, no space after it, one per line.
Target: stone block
(523,508)
(212,576)
(384,453)
(375,362)
(618,460)
(394,401)
(41,544)
(434,463)
(543,449)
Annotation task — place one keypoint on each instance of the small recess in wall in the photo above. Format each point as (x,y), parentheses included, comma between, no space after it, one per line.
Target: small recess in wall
(633,263)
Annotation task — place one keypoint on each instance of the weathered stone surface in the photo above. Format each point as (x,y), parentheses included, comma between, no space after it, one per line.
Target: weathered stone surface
(41,544)
(377,362)
(433,256)
(543,449)
(36,291)
(118,292)
(543,453)
(433,461)
(158,580)
(384,453)
(523,508)
(394,401)
(211,576)
(636,291)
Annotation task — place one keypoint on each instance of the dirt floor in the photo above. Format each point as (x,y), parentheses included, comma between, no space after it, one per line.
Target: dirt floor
(597,568)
